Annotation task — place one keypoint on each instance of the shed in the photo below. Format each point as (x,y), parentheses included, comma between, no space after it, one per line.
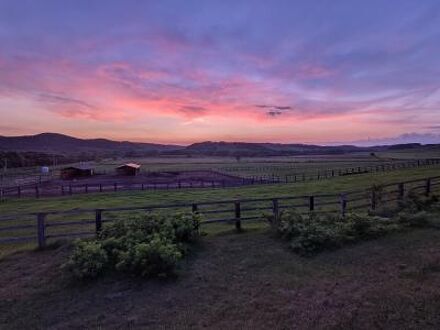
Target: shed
(130,169)
(79,171)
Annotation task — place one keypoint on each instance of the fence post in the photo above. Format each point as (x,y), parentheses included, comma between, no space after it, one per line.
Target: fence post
(343,204)
(70,189)
(311,203)
(115,185)
(237,216)
(428,187)
(100,187)
(18,191)
(276,212)
(373,198)
(41,230)
(98,221)
(37,192)
(86,188)
(195,208)
(401,189)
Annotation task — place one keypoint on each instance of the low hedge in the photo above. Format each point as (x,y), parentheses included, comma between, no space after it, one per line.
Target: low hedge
(312,233)
(149,246)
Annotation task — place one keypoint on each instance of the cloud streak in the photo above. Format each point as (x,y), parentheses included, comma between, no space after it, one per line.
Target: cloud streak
(253,68)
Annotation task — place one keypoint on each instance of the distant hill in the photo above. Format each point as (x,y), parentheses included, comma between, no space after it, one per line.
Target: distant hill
(62,144)
(267,149)
(403,139)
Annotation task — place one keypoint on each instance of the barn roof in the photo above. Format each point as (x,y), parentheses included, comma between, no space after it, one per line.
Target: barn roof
(83,167)
(132,165)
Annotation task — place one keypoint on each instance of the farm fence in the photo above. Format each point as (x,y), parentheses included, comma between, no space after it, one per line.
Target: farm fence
(224,180)
(43,226)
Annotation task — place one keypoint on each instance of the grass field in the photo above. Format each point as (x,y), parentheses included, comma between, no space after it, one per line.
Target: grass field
(280,166)
(238,281)
(390,282)
(163,197)
(139,198)
(267,167)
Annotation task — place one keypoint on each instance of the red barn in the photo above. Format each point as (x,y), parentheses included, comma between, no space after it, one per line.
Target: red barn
(79,171)
(129,169)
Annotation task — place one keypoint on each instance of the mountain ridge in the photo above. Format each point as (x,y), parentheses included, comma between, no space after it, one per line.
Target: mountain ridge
(55,143)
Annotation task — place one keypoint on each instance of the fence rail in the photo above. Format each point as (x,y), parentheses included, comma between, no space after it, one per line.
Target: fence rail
(43,226)
(40,190)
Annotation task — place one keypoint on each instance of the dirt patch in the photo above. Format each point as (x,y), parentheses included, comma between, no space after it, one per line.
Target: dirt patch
(239,281)
(142,181)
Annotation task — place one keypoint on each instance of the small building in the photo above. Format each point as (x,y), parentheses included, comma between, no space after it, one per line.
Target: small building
(73,172)
(129,169)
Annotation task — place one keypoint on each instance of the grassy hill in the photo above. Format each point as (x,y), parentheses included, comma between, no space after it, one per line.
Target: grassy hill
(63,144)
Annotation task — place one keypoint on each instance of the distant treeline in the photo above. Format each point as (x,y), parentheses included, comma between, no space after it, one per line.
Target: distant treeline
(11,159)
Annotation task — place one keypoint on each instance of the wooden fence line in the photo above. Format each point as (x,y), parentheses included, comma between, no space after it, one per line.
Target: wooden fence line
(37,191)
(342,201)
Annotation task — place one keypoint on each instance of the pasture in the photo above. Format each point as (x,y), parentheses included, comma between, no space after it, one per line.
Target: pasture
(245,281)
(202,172)
(391,281)
(147,198)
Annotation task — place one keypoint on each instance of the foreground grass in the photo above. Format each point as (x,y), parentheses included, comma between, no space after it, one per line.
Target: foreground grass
(142,198)
(239,281)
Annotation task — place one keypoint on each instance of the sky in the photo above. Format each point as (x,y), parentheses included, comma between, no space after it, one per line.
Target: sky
(180,72)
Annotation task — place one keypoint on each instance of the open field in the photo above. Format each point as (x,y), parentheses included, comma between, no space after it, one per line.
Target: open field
(138,198)
(234,280)
(239,281)
(331,188)
(268,166)
(261,165)
(183,172)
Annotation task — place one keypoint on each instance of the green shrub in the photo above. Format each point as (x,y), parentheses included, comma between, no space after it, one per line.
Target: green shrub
(366,227)
(414,202)
(88,260)
(158,257)
(311,233)
(317,237)
(419,219)
(151,245)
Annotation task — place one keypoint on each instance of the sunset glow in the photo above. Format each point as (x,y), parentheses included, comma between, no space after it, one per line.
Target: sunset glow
(188,71)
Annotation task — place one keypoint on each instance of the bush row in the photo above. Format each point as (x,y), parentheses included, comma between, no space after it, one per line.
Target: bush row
(312,233)
(151,245)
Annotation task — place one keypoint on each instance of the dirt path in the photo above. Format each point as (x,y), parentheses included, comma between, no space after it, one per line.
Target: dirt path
(245,281)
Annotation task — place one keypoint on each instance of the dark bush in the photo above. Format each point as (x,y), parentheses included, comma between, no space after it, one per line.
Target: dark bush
(149,246)
(311,233)
(88,260)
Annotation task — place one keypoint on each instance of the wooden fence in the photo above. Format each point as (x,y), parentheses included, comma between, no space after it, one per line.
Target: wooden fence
(44,226)
(327,173)
(228,181)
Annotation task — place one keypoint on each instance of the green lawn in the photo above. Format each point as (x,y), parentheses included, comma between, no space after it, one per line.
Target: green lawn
(163,197)
(141,198)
